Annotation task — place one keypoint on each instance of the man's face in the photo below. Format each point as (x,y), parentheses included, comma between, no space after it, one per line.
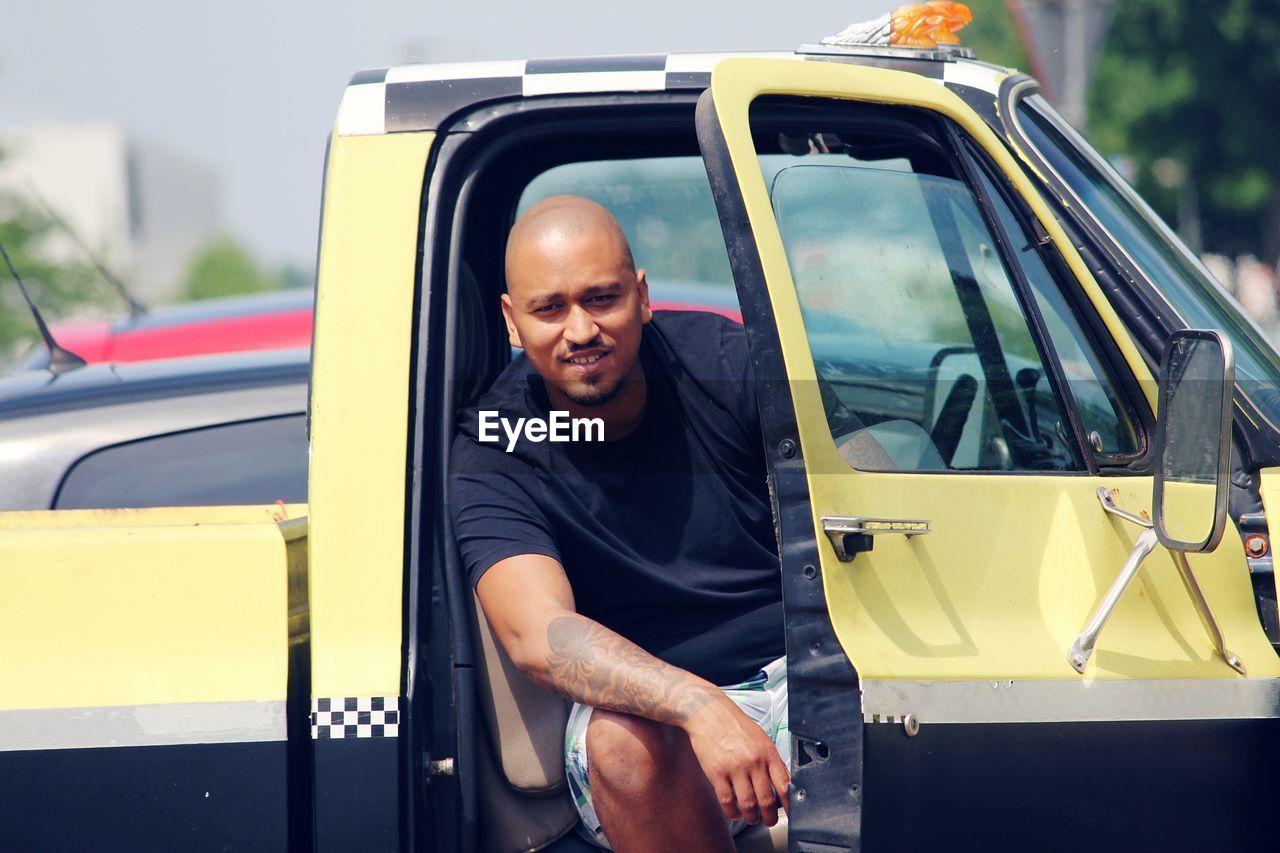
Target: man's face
(576,307)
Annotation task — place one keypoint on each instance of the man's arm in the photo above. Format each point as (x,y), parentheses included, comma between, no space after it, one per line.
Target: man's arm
(529,604)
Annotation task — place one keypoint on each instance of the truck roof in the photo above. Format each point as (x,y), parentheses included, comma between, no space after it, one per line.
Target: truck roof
(424,96)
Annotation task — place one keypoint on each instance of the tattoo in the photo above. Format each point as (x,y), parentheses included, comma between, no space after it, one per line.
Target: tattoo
(593,665)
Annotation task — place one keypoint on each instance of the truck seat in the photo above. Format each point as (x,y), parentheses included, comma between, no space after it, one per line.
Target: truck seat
(524,801)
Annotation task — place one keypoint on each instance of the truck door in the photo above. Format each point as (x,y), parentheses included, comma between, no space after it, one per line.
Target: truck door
(954,391)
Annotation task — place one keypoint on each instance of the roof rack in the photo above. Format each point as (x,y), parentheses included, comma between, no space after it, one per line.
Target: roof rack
(941,53)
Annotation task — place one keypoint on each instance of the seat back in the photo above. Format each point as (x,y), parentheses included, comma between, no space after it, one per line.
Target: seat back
(524,802)
(526,722)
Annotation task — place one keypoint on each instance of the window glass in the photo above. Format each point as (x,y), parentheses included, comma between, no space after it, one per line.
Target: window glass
(1193,294)
(918,337)
(244,463)
(1097,400)
(664,206)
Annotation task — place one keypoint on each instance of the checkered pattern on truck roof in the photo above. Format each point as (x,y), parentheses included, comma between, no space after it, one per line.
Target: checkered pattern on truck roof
(420,97)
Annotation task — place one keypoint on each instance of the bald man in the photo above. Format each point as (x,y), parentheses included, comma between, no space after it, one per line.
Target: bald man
(633,574)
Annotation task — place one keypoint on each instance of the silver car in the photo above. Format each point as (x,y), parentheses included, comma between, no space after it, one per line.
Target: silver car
(205,431)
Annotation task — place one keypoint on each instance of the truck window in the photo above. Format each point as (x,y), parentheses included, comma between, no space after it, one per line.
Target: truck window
(664,206)
(1101,406)
(242,463)
(919,338)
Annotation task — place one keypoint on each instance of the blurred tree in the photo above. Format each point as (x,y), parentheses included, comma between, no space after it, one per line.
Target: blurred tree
(1187,91)
(294,276)
(992,35)
(225,268)
(56,288)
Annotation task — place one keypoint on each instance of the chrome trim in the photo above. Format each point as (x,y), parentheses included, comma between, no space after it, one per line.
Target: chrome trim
(1081,650)
(838,527)
(1070,701)
(1107,498)
(941,53)
(142,725)
(1206,614)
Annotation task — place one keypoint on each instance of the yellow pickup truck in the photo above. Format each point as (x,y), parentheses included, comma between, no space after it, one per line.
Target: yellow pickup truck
(1025,557)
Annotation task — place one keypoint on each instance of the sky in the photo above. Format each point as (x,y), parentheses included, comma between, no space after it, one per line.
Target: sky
(251,87)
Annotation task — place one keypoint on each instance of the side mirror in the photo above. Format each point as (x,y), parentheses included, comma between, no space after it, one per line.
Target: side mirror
(1197,384)
(1193,448)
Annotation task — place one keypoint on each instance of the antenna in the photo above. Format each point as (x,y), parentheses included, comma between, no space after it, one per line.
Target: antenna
(136,308)
(60,360)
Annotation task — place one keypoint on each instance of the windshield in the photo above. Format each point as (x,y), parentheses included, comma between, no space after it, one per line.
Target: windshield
(1189,289)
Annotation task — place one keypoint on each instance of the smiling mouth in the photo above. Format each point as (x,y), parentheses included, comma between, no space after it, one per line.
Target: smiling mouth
(585,360)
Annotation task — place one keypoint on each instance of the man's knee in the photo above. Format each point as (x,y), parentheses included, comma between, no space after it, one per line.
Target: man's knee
(628,755)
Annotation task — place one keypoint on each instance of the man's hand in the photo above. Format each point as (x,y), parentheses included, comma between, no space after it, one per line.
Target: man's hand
(741,762)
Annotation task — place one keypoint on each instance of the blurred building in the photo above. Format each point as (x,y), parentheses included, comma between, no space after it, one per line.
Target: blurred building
(142,209)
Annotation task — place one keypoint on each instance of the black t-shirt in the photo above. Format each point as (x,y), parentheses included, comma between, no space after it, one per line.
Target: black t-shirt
(666,535)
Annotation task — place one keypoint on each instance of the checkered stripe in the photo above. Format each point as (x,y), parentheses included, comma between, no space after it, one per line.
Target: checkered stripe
(421,97)
(355,716)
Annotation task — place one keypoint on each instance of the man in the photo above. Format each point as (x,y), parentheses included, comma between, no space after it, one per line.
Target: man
(634,574)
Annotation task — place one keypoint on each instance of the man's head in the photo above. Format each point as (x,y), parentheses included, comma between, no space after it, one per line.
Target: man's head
(575,303)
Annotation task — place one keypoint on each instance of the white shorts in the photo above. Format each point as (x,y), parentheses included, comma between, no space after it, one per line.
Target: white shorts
(763,698)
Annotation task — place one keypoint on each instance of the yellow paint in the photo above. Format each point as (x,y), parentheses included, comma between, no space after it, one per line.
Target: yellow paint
(1269,479)
(158,517)
(103,607)
(360,410)
(1015,563)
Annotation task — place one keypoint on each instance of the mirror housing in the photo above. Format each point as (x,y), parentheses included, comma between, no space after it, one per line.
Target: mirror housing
(1193,440)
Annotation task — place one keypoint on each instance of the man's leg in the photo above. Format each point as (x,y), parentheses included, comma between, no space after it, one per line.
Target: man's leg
(648,789)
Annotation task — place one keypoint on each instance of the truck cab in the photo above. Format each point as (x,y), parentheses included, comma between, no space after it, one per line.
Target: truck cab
(957,318)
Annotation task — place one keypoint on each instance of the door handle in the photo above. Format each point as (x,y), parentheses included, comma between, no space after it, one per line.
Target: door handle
(852,536)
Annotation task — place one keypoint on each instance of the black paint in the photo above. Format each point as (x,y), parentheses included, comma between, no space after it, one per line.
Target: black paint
(193,797)
(357,801)
(1183,785)
(371,75)
(426,104)
(597,64)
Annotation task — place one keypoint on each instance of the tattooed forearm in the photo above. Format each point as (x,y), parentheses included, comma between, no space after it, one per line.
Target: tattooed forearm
(593,665)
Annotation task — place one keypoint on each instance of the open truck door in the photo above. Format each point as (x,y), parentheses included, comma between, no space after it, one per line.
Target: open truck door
(952,408)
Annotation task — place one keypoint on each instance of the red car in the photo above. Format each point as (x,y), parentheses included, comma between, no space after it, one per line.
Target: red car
(276,320)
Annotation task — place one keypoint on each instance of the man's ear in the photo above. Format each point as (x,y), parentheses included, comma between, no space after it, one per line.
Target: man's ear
(512,335)
(642,284)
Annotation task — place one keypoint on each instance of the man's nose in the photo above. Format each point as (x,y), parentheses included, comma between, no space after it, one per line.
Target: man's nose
(579,327)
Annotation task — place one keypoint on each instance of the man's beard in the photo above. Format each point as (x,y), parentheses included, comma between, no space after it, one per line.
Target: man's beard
(595,396)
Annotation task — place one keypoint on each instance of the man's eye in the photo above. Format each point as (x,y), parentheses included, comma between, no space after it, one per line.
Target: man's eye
(603,299)
(545,309)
